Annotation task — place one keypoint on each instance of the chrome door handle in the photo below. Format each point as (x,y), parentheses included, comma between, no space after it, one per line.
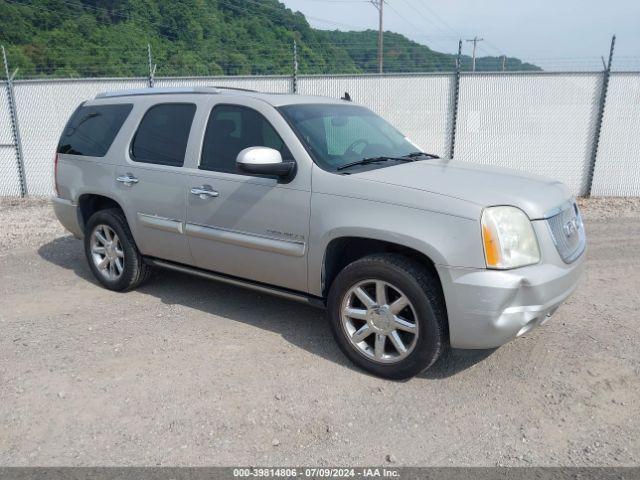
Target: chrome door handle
(127,179)
(204,192)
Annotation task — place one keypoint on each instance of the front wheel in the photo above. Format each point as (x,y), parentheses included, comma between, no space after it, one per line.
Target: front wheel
(388,316)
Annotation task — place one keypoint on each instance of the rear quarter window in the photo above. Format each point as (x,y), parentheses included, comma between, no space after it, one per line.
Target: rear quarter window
(92,129)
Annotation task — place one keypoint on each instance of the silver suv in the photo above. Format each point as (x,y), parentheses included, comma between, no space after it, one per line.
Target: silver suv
(318,200)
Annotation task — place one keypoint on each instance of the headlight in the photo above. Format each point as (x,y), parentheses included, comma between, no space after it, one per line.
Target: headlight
(508,237)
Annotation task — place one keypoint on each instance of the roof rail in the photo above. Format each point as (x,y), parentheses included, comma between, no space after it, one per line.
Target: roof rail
(157,91)
(236,88)
(168,91)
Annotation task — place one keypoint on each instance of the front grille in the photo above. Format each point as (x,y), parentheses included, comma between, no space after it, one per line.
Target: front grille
(567,231)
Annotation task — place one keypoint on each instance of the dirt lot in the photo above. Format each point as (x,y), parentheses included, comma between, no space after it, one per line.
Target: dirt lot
(190,372)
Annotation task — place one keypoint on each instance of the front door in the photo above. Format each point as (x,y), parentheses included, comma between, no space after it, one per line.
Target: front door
(241,225)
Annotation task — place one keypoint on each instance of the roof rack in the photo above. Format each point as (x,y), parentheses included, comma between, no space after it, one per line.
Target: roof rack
(168,91)
(236,88)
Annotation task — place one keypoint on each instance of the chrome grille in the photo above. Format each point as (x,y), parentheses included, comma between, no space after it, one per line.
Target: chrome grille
(567,231)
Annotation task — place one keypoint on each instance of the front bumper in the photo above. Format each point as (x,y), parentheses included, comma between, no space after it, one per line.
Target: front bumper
(487,308)
(67,214)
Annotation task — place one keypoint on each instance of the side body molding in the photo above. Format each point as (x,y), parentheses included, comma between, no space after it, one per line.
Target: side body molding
(161,223)
(248,240)
(233,237)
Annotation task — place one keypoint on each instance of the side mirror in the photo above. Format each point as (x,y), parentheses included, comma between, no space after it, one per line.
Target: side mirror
(263,161)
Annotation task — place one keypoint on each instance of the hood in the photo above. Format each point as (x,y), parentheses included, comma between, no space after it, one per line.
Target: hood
(483,185)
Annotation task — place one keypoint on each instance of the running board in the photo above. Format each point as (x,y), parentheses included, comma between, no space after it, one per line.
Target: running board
(218,277)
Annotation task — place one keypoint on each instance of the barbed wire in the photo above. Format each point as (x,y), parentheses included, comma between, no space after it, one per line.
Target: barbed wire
(233,68)
(279,63)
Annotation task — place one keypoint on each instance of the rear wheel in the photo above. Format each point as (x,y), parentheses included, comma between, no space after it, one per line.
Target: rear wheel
(112,253)
(388,316)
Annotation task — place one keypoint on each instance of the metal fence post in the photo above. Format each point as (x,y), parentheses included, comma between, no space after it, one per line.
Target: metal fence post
(17,142)
(294,80)
(456,98)
(152,67)
(600,116)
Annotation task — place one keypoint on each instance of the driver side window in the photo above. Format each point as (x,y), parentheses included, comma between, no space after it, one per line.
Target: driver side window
(232,128)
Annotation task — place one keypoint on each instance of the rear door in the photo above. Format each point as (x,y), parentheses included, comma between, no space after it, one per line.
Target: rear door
(152,179)
(247,226)
(83,164)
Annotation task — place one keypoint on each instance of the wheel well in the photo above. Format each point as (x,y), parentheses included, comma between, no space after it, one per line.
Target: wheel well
(343,251)
(90,204)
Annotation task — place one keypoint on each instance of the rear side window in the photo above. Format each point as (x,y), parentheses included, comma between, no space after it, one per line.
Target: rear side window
(163,134)
(91,130)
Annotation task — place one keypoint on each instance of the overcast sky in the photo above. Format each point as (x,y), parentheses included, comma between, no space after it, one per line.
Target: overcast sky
(547,32)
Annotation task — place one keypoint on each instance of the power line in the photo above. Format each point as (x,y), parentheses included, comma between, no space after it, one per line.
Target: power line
(450,28)
(431,22)
(411,24)
(491,45)
(453,30)
(424,17)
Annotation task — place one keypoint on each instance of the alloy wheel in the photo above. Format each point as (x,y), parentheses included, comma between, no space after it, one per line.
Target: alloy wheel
(106,252)
(379,321)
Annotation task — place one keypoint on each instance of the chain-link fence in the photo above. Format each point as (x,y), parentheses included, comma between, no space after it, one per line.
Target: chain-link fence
(538,122)
(617,168)
(9,178)
(541,123)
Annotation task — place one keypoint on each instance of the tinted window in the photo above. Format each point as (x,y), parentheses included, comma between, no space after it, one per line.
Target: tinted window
(163,134)
(91,130)
(233,128)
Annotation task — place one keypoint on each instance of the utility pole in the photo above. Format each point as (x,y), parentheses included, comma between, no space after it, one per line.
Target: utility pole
(475,41)
(504,59)
(379,4)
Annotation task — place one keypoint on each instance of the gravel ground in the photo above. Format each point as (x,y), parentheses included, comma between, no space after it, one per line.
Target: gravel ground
(190,372)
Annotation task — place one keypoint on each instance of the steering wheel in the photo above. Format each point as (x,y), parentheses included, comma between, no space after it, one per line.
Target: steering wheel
(351,148)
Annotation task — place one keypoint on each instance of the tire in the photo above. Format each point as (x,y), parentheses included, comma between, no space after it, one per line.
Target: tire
(122,252)
(421,324)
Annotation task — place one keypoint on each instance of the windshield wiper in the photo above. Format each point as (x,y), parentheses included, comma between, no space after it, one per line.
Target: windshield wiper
(367,161)
(421,154)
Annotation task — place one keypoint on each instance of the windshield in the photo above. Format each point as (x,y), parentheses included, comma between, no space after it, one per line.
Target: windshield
(337,135)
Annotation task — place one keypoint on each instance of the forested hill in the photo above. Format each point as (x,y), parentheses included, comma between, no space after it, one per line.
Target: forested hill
(67,38)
